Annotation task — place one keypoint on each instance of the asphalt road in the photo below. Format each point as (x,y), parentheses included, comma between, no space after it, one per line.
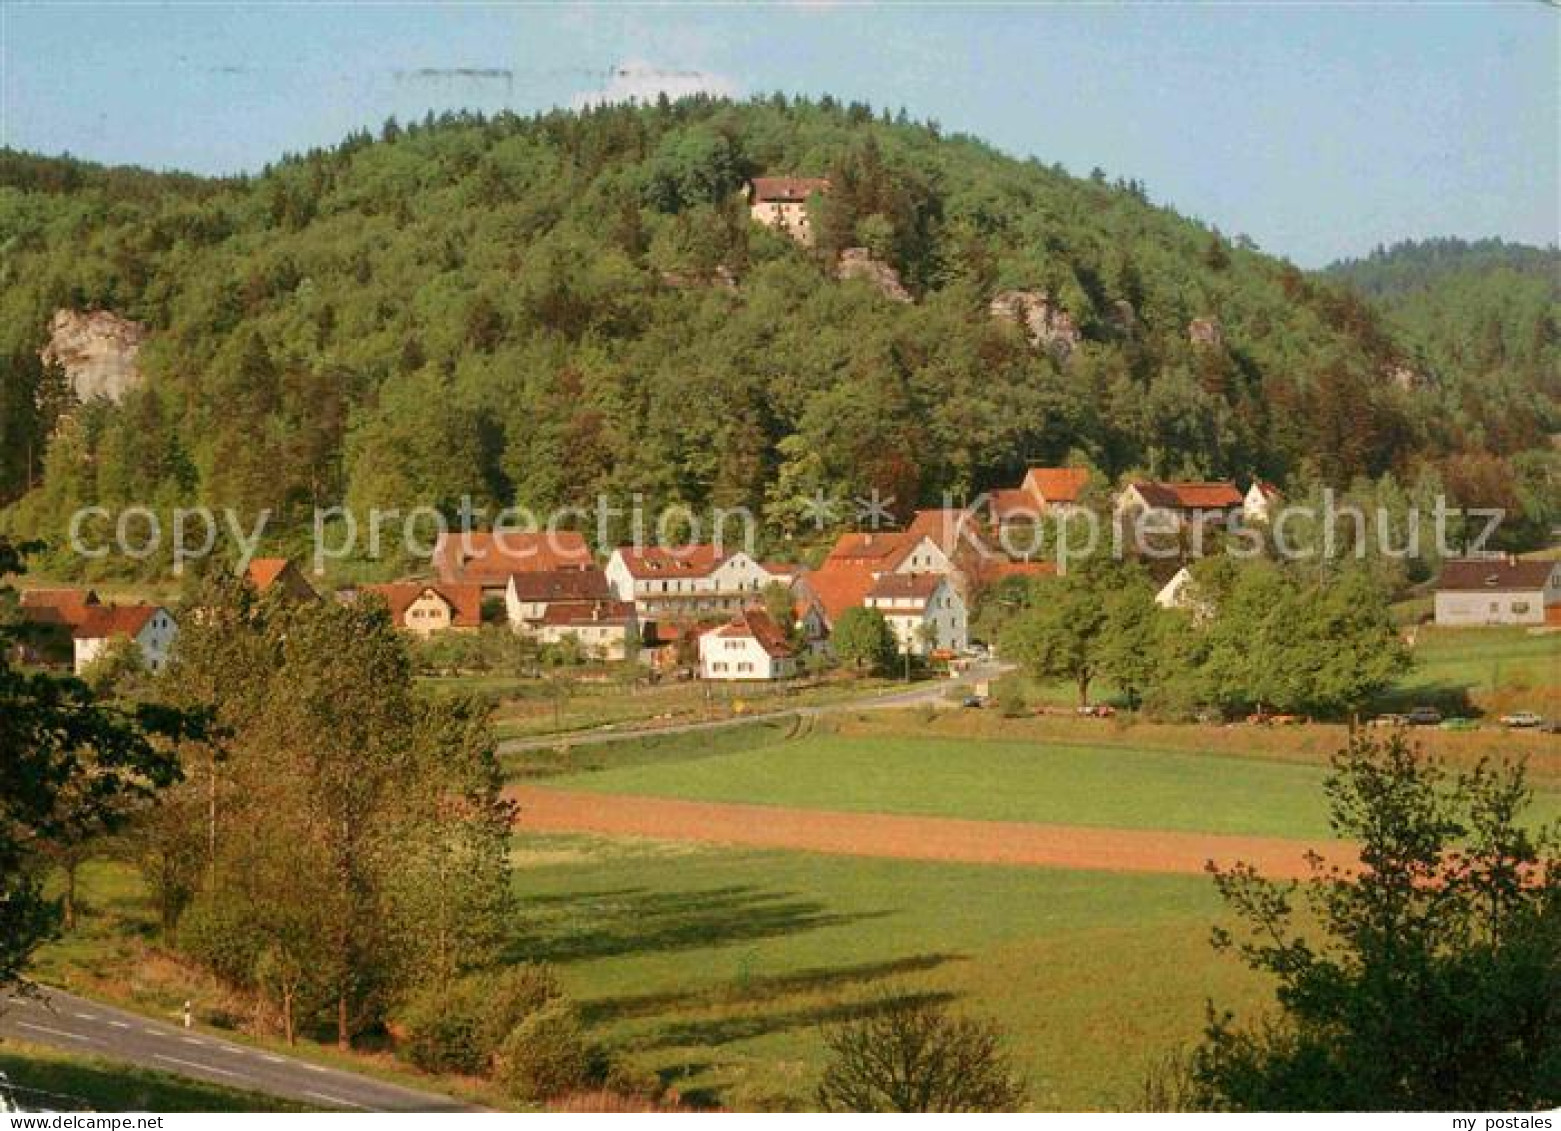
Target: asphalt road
(68,1022)
(927,692)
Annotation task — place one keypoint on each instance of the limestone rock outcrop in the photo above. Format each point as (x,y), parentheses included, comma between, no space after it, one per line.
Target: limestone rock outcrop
(97,350)
(859,263)
(1048,326)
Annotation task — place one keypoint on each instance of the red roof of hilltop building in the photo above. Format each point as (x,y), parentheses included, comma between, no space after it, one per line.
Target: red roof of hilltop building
(757,625)
(1056,484)
(696,560)
(1495,574)
(69,607)
(787,190)
(561,585)
(1190,496)
(489,557)
(464,600)
(104,621)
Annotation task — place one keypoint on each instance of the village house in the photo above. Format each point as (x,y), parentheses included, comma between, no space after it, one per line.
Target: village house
(49,617)
(685,582)
(605,630)
(782,203)
(1490,591)
(1259,502)
(1215,504)
(425,607)
(488,558)
(266,574)
(857,562)
(751,646)
(923,610)
(1176,592)
(151,627)
(1045,492)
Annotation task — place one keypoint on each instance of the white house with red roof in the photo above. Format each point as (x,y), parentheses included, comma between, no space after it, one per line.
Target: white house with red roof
(1487,591)
(685,582)
(750,646)
(426,607)
(782,203)
(924,610)
(151,627)
(1259,502)
(488,558)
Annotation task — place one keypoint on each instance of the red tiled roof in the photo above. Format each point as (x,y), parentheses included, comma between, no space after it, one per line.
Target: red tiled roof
(697,560)
(561,585)
(1014,502)
(839,585)
(757,625)
(68,607)
(788,190)
(1268,490)
(588,612)
(898,586)
(948,528)
(488,558)
(1000,570)
(1055,484)
(1495,574)
(1190,496)
(263,571)
(884,548)
(464,600)
(103,621)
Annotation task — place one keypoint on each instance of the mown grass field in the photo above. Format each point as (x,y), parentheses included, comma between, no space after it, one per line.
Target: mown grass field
(68,1080)
(1104,784)
(1498,669)
(717,968)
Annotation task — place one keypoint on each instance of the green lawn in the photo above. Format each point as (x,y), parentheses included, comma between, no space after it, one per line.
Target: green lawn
(1481,662)
(717,968)
(59,1081)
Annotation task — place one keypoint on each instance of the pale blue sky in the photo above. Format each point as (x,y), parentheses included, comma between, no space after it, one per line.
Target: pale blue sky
(1319,130)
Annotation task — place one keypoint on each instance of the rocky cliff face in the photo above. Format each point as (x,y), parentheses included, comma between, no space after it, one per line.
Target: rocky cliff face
(1047,326)
(97,349)
(858,263)
(1206,332)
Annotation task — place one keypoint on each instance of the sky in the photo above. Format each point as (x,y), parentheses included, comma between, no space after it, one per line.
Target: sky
(1318,130)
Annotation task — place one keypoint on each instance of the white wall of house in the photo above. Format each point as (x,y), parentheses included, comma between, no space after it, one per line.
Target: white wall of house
(729,587)
(739,574)
(428,614)
(926,556)
(1173,594)
(942,617)
(740,658)
(1515,606)
(606,640)
(1255,505)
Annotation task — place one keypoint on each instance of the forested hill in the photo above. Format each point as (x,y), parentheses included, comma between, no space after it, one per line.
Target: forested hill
(539,310)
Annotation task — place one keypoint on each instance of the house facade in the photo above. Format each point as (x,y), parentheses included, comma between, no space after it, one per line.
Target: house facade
(685,582)
(607,630)
(924,611)
(151,627)
(782,203)
(488,558)
(425,607)
(748,647)
(1495,591)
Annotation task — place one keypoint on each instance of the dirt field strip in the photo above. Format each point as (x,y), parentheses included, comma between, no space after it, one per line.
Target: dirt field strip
(908,838)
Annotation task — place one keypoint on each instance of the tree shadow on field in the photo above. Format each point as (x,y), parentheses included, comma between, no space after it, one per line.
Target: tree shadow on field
(606,924)
(714,1031)
(761,988)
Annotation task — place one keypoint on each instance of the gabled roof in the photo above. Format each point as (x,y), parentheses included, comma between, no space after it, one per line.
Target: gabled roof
(488,558)
(840,585)
(948,528)
(68,607)
(1013,502)
(905,586)
(787,190)
(104,621)
(588,612)
(1266,489)
(695,560)
(1213,495)
(263,573)
(463,600)
(1495,574)
(560,585)
(883,548)
(756,624)
(998,569)
(1056,484)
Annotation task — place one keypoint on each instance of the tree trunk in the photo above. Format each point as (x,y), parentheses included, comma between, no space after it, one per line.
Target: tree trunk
(70,894)
(1083,691)
(343,1038)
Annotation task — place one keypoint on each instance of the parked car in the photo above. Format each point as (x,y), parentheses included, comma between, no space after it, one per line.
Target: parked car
(1521,719)
(1287,720)
(1097,710)
(1388,720)
(1457,723)
(1423,717)
(974,701)
(1553,726)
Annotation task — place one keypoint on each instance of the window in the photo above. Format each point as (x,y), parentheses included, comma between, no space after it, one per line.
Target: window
(1520,607)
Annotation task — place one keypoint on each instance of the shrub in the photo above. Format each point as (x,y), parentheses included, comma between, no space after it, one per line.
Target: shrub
(912,1055)
(459,1028)
(547,1056)
(218,937)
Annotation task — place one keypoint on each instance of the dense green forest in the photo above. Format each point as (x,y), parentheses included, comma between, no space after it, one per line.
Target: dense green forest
(538,310)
